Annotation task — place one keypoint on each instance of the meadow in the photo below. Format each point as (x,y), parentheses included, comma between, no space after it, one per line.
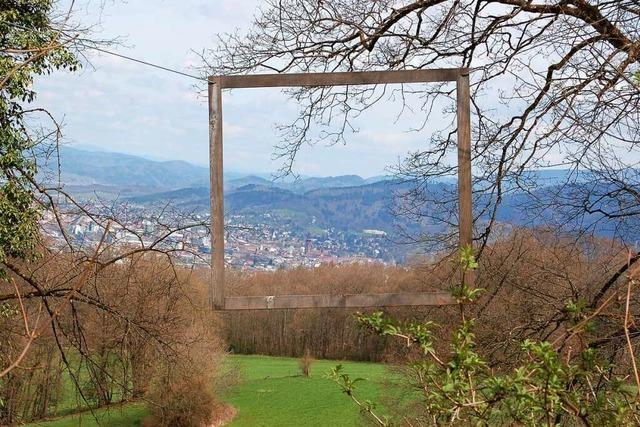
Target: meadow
(270,391)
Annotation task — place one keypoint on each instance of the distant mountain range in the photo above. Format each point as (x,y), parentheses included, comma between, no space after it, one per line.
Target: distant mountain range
(134,174)
(347,202)
(89,168)
(304,185)
(116,173)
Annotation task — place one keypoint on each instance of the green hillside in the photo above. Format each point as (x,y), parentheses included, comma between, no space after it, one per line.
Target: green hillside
(270,392)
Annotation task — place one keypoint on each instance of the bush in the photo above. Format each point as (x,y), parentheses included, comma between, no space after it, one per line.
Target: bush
(181,390)
(545,387)
(182,401)
(305,363)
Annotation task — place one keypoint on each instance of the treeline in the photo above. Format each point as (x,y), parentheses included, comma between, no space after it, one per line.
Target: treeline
(325,333)
(532,282)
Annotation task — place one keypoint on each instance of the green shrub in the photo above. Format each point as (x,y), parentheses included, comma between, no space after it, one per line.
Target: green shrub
(547,387)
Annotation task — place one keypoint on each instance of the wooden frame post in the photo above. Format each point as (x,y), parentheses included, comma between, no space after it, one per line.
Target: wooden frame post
(216,291)
(218,300)
(465,213)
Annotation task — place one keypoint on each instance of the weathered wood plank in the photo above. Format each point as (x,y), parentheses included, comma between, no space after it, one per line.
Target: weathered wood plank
(217,202)
(465,194)
(338,78)
(338,301)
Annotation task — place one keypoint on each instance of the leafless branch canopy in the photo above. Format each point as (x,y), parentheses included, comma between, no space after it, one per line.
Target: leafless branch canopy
(553,84)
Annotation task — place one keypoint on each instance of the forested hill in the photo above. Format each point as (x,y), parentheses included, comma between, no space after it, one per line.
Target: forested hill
(347,202)
(371,206)
(86,168)
(344,208)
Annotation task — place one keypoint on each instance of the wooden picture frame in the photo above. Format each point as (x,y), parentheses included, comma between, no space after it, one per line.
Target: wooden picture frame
(218,299)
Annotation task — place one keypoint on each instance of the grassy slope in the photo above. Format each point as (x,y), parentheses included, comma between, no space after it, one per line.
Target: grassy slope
(116,416)
(270,394)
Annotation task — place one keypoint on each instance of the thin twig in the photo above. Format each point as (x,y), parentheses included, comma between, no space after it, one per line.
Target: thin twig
(31,333)
(632,356)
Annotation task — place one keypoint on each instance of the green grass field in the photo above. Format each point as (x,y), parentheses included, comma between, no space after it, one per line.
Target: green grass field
(271,393)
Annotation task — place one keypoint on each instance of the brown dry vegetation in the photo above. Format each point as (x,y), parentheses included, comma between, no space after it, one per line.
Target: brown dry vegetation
(141,327)
(138,328)
(537,285)
(327,333)
(305,362)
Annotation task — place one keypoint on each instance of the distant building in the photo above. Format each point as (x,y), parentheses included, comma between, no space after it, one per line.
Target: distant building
(374,233)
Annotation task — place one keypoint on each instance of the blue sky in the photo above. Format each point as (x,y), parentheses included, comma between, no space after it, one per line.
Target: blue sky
(122,106)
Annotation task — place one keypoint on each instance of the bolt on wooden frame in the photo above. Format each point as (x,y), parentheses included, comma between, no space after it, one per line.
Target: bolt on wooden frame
(217,297)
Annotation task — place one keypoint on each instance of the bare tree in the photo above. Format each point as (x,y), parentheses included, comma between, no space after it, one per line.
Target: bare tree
(116,306)
(552,85)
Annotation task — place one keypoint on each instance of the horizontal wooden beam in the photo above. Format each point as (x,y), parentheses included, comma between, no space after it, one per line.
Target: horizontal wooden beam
(339,78)
(338,301)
